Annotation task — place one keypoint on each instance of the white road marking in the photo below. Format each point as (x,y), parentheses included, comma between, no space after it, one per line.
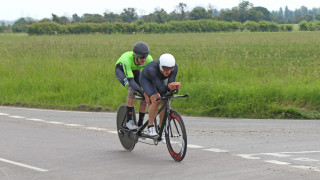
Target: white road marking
(216,150)
(23,165)
(96,128)
(73,125)
(50,110)
(113,132)
(194,146)
(276,154)
(277,162)
(54,122)
(17,117)
(4,114)
(301,152)
(34,119)
(305,159)
(248,156)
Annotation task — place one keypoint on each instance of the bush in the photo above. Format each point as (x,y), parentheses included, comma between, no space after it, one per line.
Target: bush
(303,26)
(45,28)
(207,25)
(251,26)
(312,26)
(289,27)
(317,24)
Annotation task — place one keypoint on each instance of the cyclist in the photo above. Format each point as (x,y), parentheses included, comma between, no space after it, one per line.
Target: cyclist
(153,81)
(127,71)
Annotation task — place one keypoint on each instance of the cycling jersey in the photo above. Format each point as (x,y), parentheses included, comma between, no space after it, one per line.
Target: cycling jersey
(128,72)
(153,81)
(128,65)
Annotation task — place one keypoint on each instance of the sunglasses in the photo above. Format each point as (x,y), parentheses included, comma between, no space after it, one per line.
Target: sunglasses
(165,68)
(141,56)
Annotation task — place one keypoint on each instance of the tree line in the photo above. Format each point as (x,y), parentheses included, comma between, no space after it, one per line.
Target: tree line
(204,25)
(242,13)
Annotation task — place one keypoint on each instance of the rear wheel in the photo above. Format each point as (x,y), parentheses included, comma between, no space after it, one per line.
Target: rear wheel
(123,137)
(176,136)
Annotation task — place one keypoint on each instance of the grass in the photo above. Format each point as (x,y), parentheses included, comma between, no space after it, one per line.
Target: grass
(248,75)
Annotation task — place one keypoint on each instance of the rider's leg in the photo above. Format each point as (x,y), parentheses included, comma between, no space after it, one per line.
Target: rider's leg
(153,110)
(130,104)
(130,108)
(142,111)
(124,81)
(161,114)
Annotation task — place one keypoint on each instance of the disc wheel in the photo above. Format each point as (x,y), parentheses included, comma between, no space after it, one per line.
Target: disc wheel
(125,142)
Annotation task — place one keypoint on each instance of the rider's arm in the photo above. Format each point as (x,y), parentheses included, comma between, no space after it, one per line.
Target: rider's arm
(173,74)
(129,74)
(172,85)
(135,86)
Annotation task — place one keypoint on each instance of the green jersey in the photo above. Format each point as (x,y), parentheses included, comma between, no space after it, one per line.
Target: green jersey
(127,61)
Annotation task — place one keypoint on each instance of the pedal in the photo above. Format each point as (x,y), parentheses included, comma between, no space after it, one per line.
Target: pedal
(156,138)
(141,135)
(121,131)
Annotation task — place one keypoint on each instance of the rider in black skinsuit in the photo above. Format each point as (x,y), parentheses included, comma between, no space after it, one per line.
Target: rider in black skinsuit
(153,81)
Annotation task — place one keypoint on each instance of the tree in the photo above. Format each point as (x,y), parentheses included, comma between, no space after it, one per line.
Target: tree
(45,20)
(281,13)
(254,15)
(64,20)
(244,8)
(265,13)
(21,25)
(3,27)
(92,18)
(181,9)
(60,20)
(229,15)
(55,18)
(198,13)
(160,16)
(317,17)
(111,17)
(75,18)
(212,12)
(303,10)
(129,15)
(174,16)
(308,17)
(286,13)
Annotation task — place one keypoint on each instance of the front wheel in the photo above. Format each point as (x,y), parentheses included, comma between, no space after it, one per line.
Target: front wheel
(123,136)
(176,136)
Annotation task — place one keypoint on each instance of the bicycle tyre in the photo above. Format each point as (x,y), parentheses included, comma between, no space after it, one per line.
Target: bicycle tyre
(121,115)
(176,136)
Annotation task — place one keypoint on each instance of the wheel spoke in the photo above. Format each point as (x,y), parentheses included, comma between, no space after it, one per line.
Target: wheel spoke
(176,138)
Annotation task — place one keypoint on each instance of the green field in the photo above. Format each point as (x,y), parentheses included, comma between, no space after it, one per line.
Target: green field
(248,75)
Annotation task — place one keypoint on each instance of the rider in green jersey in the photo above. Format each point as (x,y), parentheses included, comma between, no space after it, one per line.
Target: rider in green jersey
(127,71)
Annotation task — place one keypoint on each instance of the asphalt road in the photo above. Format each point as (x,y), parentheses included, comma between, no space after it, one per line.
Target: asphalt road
(47,144)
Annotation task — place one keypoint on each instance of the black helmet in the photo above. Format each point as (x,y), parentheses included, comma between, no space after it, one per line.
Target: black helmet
(141,50)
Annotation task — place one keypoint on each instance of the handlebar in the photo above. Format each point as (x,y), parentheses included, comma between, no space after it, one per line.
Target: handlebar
(167,95)
(170,94)
(138,96)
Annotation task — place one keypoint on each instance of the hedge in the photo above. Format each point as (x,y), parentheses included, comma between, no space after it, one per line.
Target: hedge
(52,28)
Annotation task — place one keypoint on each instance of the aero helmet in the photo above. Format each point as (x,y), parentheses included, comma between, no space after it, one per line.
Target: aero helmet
(141,50)
(166,60)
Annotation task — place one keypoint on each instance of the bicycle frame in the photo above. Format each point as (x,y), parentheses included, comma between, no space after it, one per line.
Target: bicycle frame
(168,110)
(172,124)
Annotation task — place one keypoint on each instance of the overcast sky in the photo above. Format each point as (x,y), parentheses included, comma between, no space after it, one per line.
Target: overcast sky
(39,9)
